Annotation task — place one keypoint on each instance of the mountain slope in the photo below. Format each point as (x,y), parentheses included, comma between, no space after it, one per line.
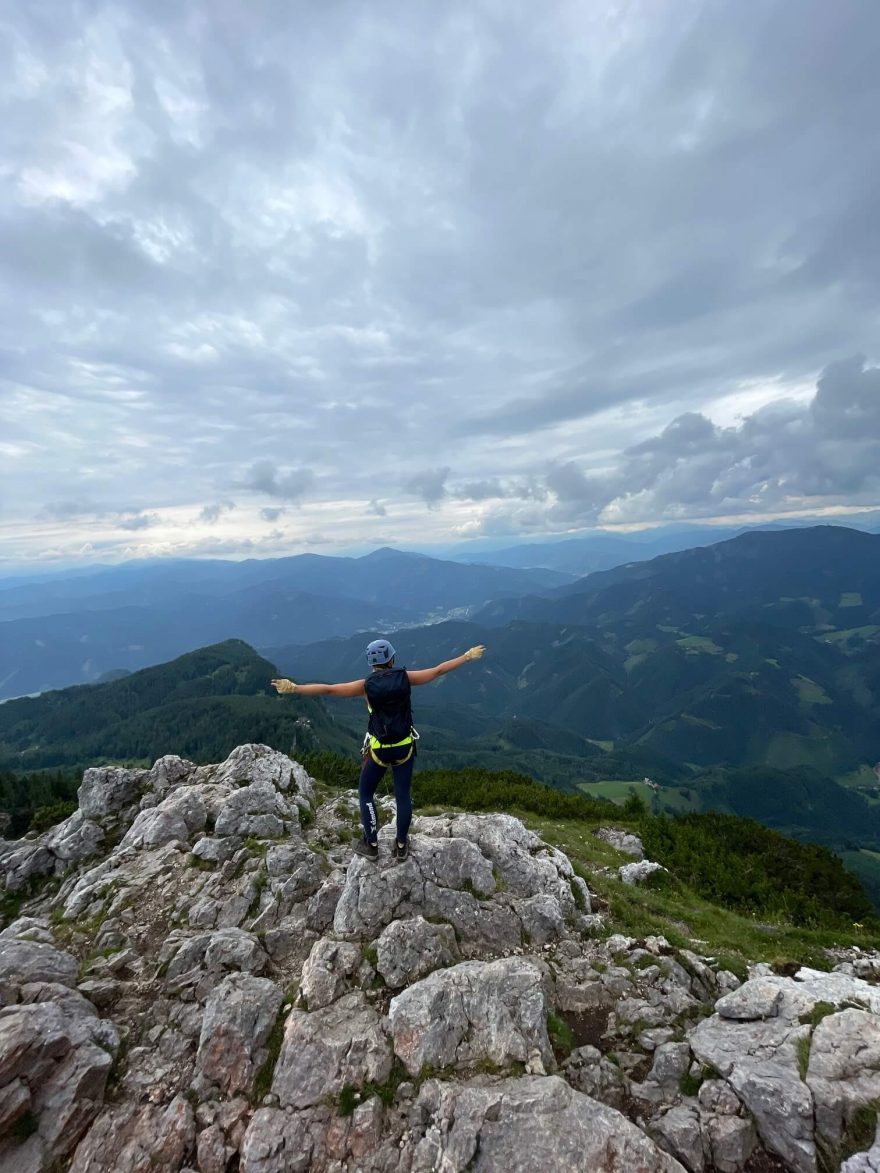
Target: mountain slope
(198,705)
(823,578)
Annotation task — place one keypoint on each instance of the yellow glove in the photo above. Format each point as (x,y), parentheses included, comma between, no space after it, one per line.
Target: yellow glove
(283,685)
(475,653)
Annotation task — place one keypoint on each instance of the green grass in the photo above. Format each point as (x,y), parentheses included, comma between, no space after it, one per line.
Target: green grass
(618,790)
(803,1046)
(351,1096)
(699,643)
(809,692)
(263,1082)
(850,635)
(560,1034)
(820,1010)
(681,915)
(850,599)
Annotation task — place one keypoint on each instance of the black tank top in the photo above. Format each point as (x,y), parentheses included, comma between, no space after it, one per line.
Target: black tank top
(388,695)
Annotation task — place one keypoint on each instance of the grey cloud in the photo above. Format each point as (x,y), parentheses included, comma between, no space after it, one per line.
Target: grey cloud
(212,513)
(824,453)
(66,510)
(376,509)
(271,514)
(430,485)
(265,477)
(138,521)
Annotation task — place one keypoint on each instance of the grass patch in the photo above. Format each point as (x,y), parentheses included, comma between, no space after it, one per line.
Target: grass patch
(351,1096)
(468,887)
(370,954)
(561,1035)
(645,962)
(200,865)
(814,1017)
(860,1131)
(263,1082)
(256,846)
(802,1046)
(691,1082)
(699,643)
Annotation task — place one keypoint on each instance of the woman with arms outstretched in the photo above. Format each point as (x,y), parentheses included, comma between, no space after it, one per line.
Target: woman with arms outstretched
(390,739)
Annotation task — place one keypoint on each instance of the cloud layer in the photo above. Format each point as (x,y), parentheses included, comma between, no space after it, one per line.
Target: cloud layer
(280,275)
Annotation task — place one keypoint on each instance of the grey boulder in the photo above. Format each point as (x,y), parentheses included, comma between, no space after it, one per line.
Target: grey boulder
(410,949)
(473,1012)
(327,1049)
(239,1017)
(531,1123)
(107,790)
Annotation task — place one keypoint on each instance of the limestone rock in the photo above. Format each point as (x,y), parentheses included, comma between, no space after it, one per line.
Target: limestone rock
(24,961)
(262,765)
(531,1123)
(328,971)
(153,827)
(637,873)
(130,1138)
(168,772)
(474,1011)
(409,949)
(217,850)
(757,999)
(63,1056)
(187,802)
(239,1017)
(867,1162)
(671,1062)
(21,862)
(324,1050)
(277,1141)
(541,917)
(731,1141)
(107,790)
(294,874)
(760,1062)
(258,810)
(75,839)
(844,1069)
(623,841)
(678,1131)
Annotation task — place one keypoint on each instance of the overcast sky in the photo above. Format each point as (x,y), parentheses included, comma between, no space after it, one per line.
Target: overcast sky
(279,275)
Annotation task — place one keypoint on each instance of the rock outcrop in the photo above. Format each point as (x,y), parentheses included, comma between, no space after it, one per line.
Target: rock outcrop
(204,978)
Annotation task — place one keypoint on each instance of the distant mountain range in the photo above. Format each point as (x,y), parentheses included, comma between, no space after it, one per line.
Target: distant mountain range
(75,630)
(761,650)
(600,550)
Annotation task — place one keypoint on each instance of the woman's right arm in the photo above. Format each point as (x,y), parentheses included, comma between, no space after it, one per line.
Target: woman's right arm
(352,688)
(426,675)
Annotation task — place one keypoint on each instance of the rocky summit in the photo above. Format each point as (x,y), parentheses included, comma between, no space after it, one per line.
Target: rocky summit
(201,976)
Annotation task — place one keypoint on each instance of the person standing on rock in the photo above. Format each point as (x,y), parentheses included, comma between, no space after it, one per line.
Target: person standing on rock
(391,737)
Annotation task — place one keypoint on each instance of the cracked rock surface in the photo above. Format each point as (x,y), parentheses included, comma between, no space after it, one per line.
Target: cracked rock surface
(204,978)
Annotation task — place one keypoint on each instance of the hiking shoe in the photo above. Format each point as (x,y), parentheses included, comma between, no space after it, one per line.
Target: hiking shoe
(401,850)
(362,847)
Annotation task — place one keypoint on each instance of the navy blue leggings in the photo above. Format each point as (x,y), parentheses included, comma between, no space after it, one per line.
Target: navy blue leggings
(371,775)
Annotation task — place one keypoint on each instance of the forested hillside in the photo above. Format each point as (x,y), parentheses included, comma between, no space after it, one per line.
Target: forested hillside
(200,705)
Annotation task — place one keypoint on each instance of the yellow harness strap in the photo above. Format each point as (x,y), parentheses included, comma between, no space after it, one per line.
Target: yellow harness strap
(397,762)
